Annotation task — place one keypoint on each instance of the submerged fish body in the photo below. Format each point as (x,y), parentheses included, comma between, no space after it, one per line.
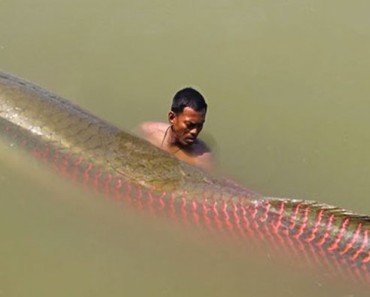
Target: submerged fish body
(88,149)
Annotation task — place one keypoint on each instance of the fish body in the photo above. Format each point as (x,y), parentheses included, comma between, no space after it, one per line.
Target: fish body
(91,150)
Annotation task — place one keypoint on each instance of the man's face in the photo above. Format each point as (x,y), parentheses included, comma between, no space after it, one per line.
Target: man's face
(187,125)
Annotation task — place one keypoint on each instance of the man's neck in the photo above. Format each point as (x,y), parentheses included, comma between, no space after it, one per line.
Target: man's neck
(169,141)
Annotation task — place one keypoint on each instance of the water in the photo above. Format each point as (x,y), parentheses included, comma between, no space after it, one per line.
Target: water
(287,86)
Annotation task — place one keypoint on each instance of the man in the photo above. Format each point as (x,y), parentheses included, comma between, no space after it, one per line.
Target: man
(179,137)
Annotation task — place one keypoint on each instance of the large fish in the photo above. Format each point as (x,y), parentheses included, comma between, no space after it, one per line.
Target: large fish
(85,148)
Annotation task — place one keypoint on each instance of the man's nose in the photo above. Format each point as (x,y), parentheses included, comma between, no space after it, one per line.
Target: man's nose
(194,131)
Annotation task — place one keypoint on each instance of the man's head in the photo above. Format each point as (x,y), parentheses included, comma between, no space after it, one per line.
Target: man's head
(187,115)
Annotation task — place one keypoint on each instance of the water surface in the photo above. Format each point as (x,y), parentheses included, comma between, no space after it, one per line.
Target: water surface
(287,86)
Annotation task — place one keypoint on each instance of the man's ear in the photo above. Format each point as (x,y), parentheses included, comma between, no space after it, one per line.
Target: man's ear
(171,117)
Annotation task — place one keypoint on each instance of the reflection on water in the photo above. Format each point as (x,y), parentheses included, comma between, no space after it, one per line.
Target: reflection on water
(288,93)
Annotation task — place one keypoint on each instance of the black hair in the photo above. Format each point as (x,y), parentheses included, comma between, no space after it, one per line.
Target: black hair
(188,97)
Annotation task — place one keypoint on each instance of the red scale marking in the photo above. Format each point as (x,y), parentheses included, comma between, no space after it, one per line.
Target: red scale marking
(244,218)
(228,225)
(107,182)
(316,226)
(253,212)
(269,236)
(293,218)
(205,210)
(215,215)
(171,207)
(226,216)
(183,211)
(150,199)
(367,258)
(234,212)
(214,208)
(362,247)
(252,238)
(353,240)
(237,221)
(340,235)
(277,225)
(87,171)
(65,164)
(77,161)
(162,201)
(97,176)
(303,224)
(117,189)
(118,184)
(158,197)
(255,226)
(150,202)
(265,214)
(270,230)
(128,191)
(195,215)
(327,230)
(139,196)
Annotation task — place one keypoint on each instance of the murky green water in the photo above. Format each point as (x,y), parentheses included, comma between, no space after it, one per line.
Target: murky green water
(287,86)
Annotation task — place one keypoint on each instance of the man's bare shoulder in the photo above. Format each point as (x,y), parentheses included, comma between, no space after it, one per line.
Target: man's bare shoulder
(148,128)
(153,131)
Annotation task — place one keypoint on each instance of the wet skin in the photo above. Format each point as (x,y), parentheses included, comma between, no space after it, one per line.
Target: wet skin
(180,138)
(186,126)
